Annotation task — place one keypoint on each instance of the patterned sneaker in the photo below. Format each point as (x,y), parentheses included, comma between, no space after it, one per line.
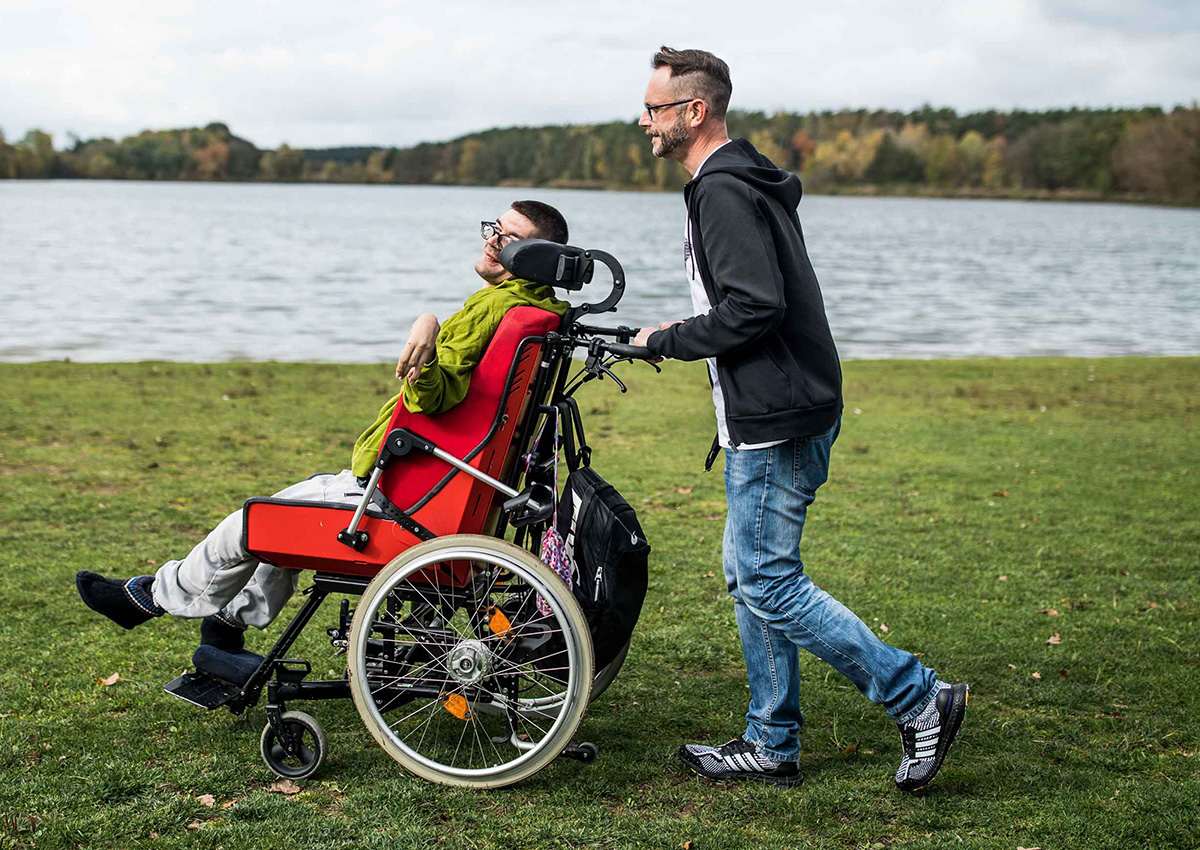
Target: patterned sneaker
(739,760)
(927,737)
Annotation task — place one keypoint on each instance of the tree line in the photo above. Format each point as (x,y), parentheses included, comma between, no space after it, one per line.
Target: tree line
(1141,154)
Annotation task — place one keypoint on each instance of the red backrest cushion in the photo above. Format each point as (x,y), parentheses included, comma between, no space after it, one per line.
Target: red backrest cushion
(464,426)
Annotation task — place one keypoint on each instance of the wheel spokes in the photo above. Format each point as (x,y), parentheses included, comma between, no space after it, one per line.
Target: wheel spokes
(427,727)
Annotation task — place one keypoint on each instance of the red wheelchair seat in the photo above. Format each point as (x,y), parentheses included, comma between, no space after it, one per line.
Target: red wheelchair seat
(479,430)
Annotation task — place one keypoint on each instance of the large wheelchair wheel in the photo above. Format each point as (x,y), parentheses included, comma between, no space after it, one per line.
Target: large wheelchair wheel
(473,685)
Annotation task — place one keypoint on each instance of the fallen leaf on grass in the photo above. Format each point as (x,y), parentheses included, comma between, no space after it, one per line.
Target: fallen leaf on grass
(1050,612)
(850,750)
(284,786)
(687,845)
(1054,639)
(194,825)
(1019,847)
(1037,676)
(1012,666)
(229,804)
(1003,578)
(111,680)
(1064,674)
(683,491)
(709,574)
(207,800)
(153,835)
(1003,494)
(883,627)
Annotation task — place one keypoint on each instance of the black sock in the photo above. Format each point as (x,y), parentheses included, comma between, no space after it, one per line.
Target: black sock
(216,632)
(127,602)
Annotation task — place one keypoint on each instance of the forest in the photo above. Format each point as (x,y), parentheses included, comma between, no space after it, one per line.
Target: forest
(1143,154)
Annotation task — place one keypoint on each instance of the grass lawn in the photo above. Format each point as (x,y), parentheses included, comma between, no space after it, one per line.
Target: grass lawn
(976,510)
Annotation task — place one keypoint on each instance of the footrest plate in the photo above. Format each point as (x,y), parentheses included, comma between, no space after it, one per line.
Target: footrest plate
(202,689)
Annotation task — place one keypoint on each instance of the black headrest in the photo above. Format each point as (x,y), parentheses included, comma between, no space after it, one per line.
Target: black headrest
(543,261)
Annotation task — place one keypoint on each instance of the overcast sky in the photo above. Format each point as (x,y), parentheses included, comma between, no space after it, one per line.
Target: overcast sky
(395,73)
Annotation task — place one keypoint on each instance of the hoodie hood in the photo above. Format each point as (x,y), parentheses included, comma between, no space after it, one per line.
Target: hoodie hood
(740,159)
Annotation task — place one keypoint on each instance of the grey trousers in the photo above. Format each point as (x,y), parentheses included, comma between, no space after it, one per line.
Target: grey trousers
(220,577)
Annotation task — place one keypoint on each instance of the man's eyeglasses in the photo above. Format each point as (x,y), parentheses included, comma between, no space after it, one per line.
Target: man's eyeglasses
(488,229)
(650,109)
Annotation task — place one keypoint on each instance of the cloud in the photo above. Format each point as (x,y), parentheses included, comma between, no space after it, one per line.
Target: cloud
(399,73)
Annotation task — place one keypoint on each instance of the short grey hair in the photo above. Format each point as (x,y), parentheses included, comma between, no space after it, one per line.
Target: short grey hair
(706,76)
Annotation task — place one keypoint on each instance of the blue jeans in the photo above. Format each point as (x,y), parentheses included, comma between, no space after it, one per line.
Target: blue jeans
(778,608)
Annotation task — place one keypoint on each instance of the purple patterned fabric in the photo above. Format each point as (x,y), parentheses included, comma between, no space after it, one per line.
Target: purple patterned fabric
(554,554)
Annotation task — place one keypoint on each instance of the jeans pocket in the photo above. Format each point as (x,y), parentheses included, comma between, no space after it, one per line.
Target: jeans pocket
(810,465)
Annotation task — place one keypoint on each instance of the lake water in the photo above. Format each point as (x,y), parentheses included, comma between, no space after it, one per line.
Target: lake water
(103,271)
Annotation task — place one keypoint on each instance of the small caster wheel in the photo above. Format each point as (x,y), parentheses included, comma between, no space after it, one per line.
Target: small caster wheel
(309,746)
(587,752)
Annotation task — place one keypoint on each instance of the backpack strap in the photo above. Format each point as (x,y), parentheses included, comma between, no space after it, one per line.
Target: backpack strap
(571,425)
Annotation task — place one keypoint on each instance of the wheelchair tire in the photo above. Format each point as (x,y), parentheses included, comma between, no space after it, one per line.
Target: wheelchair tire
(314,747)
(460,690)
(605,677)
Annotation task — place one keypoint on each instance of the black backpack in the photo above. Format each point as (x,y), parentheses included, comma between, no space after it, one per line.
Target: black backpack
(606,546)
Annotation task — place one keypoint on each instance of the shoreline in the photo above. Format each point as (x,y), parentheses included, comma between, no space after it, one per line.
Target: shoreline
(966,358)
(867,190)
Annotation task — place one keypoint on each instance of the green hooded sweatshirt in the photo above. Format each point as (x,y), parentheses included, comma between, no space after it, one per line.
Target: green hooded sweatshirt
(444,380)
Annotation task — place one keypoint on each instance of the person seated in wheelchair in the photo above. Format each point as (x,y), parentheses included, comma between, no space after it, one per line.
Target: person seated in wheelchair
(219,581)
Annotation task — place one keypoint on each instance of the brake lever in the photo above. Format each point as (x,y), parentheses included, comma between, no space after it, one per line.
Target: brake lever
(605,370)
(597,368)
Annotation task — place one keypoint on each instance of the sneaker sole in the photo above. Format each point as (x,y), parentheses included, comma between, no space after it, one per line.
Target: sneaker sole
(742,776)
(958,712)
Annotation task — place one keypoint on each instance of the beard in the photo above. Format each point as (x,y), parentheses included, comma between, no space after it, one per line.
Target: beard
(669,140)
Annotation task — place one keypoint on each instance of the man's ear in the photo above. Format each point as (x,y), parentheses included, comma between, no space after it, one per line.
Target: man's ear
(699,112)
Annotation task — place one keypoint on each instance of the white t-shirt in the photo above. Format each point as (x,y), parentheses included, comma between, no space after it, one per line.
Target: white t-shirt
(700,306)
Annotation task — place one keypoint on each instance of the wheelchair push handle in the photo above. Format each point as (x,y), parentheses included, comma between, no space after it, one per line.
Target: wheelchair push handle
(632,352)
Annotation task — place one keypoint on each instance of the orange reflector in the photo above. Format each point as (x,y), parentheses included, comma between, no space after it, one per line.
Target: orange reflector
(456,704)
(499,623)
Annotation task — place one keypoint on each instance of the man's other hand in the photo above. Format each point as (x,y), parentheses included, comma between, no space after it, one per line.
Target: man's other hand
(420,348)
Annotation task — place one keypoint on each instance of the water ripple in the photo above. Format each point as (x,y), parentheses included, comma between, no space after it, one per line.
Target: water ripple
(128,271)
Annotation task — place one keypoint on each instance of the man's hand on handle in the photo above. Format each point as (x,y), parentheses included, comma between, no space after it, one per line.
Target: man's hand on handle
(420,348)
(644,334)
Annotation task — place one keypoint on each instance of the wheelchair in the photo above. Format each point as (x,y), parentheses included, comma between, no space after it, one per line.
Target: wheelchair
(468,658)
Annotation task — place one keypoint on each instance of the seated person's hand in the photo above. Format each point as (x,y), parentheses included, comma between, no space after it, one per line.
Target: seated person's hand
(420,348)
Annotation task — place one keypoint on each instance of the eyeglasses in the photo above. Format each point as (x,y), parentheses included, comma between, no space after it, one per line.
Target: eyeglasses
(650,109)
(489,229)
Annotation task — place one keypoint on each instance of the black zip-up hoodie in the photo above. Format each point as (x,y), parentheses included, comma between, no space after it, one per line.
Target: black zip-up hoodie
(776,360)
